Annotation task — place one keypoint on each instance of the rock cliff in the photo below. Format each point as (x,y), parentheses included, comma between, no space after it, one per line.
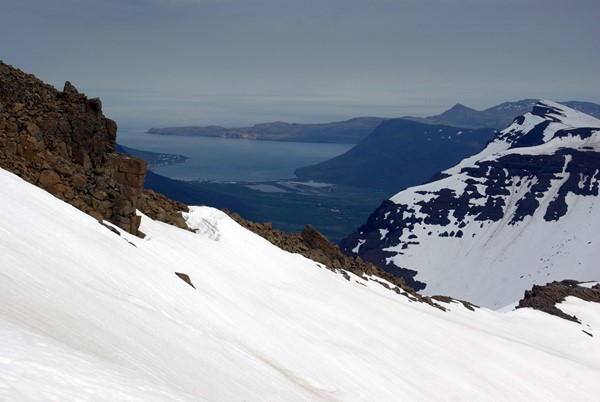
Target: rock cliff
(61,141)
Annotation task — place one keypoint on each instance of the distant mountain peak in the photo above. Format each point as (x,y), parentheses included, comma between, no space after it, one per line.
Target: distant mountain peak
(501,115)
(459,110)
(460,106)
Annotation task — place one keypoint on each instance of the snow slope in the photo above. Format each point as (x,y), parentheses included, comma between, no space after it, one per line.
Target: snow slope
(523,211)
(86,314)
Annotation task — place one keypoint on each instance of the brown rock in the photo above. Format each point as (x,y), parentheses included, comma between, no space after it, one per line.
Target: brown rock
(124,208)
(48,178)
(100,195)
(34,130)
(159,207)
(185,278)
(79,181)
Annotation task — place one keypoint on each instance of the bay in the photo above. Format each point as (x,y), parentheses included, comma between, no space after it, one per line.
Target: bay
(230,160)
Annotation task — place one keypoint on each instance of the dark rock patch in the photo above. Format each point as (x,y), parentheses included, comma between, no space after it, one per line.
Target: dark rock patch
(546,297)
(533,137)
(448,299)
(185,278)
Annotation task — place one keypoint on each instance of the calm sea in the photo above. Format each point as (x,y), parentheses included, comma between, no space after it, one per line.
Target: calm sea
(222,159)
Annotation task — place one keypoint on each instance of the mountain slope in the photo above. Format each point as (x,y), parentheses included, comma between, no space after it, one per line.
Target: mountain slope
(398,154)
(523,211)
(260,324)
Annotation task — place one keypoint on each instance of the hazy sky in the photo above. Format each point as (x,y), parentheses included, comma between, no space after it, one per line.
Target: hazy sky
(231,62)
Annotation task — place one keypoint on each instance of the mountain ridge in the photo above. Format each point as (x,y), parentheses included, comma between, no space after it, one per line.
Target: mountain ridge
(354,130)
(498,116)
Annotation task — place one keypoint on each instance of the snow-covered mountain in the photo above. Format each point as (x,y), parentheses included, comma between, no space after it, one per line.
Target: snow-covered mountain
(523,211)
(89,314)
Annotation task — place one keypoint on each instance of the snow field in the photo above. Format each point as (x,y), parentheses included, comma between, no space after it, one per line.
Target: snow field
(262,324)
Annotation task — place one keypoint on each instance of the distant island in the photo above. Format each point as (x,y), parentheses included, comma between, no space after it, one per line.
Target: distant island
(342,132)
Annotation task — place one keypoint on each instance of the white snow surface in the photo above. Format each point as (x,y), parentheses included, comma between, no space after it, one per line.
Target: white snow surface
(493,263)
(89,315)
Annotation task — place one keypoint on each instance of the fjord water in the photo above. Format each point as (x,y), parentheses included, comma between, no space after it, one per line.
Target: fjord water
(223,159)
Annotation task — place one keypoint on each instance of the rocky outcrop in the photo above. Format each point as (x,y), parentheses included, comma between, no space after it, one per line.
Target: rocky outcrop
(161,208)
(546,297)
(61,141)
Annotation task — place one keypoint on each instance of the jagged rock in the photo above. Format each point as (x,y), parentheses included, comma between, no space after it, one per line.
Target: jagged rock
(62,142)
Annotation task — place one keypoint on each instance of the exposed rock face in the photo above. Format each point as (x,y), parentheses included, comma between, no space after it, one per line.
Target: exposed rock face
(62,142)
(546,297)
